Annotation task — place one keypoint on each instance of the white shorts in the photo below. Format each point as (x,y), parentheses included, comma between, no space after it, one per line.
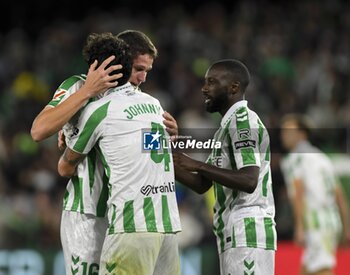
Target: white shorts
(82,237)
(140,254)
(320,250)
(245,260)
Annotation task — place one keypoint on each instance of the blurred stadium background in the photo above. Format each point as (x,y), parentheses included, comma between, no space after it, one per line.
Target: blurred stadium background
(298,54)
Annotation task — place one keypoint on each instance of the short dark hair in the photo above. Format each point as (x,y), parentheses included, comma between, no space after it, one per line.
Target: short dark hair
(139,43)
(302,121)
(237,70)
(101,46)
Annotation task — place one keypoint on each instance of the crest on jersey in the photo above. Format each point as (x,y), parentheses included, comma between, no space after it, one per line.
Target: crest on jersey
(244,134)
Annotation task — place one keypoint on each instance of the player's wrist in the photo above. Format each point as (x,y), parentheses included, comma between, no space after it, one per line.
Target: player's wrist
(86,93)
(200,166)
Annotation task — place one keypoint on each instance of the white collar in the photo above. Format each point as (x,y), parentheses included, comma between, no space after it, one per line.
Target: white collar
(127,87)
(232,110)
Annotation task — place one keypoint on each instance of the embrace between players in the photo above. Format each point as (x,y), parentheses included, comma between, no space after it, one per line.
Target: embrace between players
(109,225)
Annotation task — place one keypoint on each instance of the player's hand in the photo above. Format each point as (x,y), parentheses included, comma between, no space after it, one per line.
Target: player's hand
(171,125)
(183,161)
(61,141)
(98,79)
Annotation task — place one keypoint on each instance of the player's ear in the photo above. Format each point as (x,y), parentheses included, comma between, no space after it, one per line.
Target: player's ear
(235,87)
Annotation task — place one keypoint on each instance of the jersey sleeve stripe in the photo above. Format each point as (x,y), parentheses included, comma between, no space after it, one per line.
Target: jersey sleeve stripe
(242,122)
(70,82)
(63,88)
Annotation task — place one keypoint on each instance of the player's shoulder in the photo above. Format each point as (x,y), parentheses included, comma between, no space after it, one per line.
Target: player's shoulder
(70,81)
(147,97)
(245,116)
(68,87)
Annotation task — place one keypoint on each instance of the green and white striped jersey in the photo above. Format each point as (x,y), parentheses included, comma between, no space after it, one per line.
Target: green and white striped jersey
(242,219)
(308,164)
(87,191)
(141,183)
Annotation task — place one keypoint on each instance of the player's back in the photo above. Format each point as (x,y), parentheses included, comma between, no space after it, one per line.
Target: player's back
(142,185)
(129,115)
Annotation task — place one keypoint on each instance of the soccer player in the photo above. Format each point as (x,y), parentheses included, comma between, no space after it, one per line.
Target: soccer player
(142,209)
(240,172)
(86,195)
(317,199)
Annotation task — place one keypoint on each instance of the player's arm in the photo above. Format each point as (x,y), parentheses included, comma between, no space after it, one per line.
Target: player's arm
(344,212)
(68,163)
(194,181)
(50,120)
(244,179)
(297,201)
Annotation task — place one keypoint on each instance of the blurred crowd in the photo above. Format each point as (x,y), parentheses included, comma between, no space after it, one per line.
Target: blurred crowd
(298,55)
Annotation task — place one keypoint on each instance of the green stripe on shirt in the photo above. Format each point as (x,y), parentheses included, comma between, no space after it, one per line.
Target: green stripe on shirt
(221,198)
(166,215)
(113,221)
(242,122)
(78,194)
(69,82)
(150,218)
(269,231)
(91,124)
(250,232)
(91,161)
(128,217)
(101,207)
(264,184)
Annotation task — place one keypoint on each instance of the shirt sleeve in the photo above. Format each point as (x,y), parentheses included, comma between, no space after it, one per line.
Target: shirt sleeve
(90,127)
(66,89)
(244,136)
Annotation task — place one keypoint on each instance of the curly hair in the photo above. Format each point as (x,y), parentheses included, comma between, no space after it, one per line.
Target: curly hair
(139,43)
(101,46)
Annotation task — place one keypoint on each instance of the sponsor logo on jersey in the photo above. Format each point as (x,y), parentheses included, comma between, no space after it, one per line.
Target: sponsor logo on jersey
(245,144)
(151,189)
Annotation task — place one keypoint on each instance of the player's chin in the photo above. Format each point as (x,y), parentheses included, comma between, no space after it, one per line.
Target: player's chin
(210,108)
